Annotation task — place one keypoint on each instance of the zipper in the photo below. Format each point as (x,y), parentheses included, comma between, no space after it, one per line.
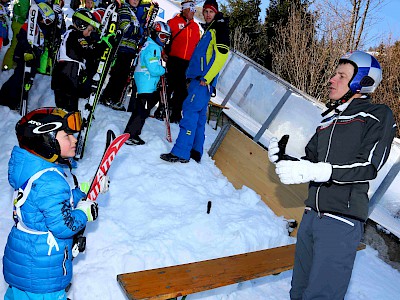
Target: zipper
(325,160)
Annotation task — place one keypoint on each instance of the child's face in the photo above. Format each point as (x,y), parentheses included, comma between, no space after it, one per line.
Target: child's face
(67,144)
(88,30)
(134,3)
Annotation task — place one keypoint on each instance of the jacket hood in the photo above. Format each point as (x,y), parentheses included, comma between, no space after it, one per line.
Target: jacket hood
(23,164)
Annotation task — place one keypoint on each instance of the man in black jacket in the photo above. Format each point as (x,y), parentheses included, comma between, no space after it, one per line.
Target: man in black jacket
(350,146)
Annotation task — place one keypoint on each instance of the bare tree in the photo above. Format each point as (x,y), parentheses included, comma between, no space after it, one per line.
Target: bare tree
(356,16)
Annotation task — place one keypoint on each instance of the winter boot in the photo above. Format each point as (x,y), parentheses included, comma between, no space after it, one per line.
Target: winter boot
(135,141)
(195,155)
(173,158)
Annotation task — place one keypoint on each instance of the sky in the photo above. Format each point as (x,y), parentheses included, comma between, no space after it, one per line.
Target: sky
(387,20)
(155,215)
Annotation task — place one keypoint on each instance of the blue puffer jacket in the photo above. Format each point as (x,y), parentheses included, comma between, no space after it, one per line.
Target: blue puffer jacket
(26,263)
(149,68)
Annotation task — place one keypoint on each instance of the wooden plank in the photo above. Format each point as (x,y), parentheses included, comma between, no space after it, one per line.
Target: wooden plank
(181,280)
(176,281)
(244,162)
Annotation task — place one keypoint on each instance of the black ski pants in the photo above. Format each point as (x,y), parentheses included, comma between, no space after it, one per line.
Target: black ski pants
(141,111)
(325,251)
(118,77)
(176,90)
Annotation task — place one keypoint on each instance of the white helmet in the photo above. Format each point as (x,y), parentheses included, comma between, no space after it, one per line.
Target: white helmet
(367,72)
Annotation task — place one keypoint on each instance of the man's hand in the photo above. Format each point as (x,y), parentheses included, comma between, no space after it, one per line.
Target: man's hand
(273,150)
(302,171)
(90,208)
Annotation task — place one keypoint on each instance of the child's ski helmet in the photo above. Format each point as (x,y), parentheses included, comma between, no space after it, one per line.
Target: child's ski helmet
(36,132)
(160,33)
(47,13)
(367,72)
(82,18)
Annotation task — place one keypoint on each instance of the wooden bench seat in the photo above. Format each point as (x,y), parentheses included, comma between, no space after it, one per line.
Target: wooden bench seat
(181,280)
(215,109)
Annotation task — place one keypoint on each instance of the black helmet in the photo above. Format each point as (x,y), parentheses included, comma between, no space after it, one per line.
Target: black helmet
(36,132)
(82,18)
(160,33)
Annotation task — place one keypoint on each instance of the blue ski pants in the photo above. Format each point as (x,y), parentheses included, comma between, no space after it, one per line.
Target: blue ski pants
(193,122)
(13,293)
(325,251)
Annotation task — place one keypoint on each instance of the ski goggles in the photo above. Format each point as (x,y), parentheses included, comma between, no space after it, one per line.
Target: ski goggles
(163,36)
(72,121)
(189,5)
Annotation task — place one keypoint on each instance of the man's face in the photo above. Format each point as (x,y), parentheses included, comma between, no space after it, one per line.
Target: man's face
(339,82)
(208,15)
(188,14)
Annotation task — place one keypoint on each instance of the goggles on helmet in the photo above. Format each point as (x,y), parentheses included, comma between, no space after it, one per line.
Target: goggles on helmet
(163,36)
(72,121)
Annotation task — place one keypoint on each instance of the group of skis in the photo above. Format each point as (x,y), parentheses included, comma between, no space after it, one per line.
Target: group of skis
(109,27)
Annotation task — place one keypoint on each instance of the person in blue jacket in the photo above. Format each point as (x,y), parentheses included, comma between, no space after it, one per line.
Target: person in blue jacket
(147,75)
(37,261)
(207,60)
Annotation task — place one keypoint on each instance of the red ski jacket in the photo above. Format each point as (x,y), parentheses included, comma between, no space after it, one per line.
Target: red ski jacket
(185,42)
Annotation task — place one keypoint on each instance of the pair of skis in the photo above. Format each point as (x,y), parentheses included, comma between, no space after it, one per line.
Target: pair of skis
(27,77)
(109,23)
(113,145)
(164,102)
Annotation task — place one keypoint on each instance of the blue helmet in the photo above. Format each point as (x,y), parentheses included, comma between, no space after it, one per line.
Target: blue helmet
(367,72)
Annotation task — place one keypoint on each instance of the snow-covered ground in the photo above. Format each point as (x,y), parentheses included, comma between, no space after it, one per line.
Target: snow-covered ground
(155,215)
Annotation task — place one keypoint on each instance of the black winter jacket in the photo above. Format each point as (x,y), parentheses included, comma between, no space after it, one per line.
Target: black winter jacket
(356,142)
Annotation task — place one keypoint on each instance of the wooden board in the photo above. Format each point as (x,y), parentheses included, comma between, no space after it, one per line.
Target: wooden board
(244,162)
(175,281)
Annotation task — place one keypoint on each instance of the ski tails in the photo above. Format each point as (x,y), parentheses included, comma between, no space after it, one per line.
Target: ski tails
(164,101)
(113,146)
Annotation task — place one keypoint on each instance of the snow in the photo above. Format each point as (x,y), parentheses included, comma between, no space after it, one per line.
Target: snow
(155,215)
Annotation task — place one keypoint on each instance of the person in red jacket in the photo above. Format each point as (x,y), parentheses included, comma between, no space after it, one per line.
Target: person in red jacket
(185,34)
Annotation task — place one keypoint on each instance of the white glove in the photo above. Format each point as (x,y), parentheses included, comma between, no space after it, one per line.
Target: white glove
(104,183)
(295,172)
(57,8)
(273,150)
(90,208)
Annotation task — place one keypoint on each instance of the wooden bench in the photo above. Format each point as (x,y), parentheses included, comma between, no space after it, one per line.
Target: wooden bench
(215,109)
(181,280)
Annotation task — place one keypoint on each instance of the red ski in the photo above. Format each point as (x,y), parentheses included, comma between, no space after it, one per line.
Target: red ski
(114,144)
(164,101)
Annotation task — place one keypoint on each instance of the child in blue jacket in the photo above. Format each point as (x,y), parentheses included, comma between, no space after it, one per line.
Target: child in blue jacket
(37,261)
(147,75)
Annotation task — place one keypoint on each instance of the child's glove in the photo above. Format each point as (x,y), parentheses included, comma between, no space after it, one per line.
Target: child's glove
(28,56)
(90,208)
(104,184)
